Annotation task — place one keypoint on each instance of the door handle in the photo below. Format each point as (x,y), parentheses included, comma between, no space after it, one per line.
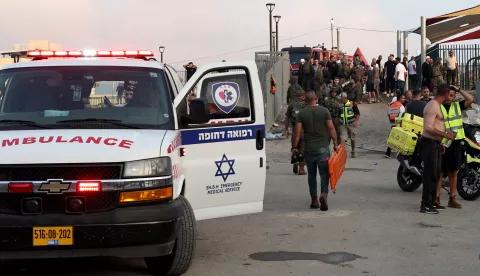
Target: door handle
(259,139)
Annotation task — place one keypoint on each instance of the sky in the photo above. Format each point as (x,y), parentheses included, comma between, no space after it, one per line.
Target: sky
(191,30)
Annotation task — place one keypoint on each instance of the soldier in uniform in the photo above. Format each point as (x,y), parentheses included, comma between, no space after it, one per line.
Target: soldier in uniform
(319,81)
(308,75)
(290,120)
(293,89)
(333,105)
(438,72)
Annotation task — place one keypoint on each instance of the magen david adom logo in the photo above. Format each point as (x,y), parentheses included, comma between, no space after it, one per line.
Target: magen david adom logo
(226,95)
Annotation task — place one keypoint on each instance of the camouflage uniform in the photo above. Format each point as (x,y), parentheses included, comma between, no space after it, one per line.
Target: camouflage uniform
(308,76)
(333,105)
(292,111)
(319,78)
(322,93)
(437,73)
(292,92)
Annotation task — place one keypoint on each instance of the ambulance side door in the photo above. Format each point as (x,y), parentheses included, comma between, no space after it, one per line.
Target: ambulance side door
(225,166)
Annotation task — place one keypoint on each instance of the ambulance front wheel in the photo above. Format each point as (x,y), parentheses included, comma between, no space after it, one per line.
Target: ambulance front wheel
(181,258)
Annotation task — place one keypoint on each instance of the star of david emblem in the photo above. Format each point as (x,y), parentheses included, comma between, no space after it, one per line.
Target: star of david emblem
(229,164)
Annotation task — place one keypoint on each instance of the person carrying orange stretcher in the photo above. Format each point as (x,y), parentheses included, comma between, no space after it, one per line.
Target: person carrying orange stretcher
(318,130)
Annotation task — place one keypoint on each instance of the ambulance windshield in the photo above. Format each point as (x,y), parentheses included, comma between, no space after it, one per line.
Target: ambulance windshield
(64,97)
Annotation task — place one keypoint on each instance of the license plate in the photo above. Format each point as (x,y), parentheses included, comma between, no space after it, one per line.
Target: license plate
(52,236)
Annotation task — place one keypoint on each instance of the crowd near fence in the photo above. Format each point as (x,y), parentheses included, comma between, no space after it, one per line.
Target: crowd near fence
(468,59)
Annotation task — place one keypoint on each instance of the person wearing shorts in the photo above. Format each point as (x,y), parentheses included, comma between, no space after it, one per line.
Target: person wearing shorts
(349,116)
(372,97)
(453,157)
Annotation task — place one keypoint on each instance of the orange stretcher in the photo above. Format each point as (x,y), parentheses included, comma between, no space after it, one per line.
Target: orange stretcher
(336,166)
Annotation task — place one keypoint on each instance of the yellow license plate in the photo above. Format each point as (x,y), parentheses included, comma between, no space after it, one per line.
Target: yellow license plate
(52,236)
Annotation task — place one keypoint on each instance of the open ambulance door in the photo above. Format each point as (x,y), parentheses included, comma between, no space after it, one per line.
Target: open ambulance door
(224,165)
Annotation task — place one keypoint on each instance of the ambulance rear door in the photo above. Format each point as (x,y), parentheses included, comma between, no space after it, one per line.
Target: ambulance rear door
(224,165)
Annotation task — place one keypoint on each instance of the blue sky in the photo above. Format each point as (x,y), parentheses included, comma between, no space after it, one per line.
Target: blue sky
(191,29)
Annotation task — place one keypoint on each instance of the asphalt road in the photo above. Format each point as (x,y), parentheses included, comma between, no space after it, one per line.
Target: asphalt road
(372,227)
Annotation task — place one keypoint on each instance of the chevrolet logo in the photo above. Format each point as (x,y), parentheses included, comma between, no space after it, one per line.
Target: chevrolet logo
(54,186)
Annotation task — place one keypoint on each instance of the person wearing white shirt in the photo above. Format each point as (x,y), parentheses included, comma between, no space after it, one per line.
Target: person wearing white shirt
(400,75)
(412,73)
(452,66)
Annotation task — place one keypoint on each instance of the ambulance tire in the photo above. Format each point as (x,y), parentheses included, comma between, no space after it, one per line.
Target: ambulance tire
(181,258)
(411,184)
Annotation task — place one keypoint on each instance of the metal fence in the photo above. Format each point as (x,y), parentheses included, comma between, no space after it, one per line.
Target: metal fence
(467,58)
(276,64)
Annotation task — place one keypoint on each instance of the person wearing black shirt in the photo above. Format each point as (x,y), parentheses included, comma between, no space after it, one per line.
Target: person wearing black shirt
(390,75)
(426,94)
(427,73)
(417,105)
(191,69)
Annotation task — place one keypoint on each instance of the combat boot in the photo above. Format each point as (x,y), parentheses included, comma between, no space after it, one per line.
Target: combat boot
(437,205)
(315,204)
(295,168)
(452,202)
(302,170)
(323,202)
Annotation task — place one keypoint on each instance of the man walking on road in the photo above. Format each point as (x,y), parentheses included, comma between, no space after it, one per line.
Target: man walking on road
(318,131)
(452,158)
(349,116)
(293,110)
(431,149)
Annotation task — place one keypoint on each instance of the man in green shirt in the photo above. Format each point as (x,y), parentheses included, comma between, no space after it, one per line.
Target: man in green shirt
(318,130)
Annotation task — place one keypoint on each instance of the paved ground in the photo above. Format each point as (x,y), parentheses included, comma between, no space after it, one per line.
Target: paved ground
(372,228)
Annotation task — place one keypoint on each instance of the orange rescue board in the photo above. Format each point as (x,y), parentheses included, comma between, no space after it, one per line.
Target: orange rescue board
(336,166)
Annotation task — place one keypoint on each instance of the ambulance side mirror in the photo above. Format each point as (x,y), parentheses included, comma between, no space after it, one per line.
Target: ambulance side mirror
(199,113)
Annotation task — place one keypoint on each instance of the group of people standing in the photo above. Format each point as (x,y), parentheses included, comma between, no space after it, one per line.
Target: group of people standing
(439,146)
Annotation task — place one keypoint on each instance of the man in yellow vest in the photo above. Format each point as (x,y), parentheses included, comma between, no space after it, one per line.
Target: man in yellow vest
(349,116)
(452,158)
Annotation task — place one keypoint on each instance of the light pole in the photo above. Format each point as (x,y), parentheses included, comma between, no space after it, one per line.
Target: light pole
(274,39)
(277,19)
(270,7)
(161,49)
(332,21)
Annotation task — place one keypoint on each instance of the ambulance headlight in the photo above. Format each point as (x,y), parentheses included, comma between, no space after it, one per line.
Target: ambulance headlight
(148,168)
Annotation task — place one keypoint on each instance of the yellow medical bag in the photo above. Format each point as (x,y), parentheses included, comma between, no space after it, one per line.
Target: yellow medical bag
(412,123)
(402,141)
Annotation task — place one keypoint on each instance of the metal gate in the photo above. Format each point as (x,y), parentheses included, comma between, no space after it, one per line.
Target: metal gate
(276,64)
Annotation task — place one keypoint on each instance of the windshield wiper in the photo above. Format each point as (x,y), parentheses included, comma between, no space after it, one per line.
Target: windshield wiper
(102,121)
(25,122)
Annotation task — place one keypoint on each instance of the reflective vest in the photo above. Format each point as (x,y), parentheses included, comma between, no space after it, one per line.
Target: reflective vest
(394,111)
(453,122)
(346,114)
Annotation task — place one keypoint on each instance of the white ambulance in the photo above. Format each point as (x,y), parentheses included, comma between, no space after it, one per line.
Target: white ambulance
(92,174)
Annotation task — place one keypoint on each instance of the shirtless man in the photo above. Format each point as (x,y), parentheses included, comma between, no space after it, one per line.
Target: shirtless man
(431,149)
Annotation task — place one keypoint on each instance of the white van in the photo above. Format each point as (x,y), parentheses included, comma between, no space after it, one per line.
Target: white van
(83,175)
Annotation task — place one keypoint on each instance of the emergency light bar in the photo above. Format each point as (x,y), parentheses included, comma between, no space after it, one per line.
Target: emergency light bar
(131,54)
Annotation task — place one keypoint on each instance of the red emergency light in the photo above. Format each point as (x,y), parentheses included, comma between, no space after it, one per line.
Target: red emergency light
(89,186)
(20,188)
(129,53)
